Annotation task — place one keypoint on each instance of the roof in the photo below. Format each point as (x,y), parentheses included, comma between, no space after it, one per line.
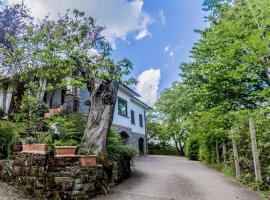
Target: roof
(147,107)
(128,89)
(134,95)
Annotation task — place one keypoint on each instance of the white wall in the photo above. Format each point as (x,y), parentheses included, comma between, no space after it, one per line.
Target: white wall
(126,121)
(138,109)
(118,119)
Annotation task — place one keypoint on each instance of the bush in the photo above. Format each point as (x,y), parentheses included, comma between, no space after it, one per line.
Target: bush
(85,152)
(69,142)
(70,127)
(162,149)
(116,148)
(192,147)
(7,137)
(2,113)
(40,109)
(30,140)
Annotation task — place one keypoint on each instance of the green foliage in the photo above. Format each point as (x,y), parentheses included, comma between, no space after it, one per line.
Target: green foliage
(225,83)
(85,152)
(43,137)
(227,170)
(31,109)
(30,140)
(2,113)
(162,149)
(116,148)
(192,147)
(38,50)
(68,142)
(7,137)
(71,127)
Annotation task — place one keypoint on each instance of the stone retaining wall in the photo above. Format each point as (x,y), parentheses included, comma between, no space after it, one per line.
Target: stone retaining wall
(133,138)
(48,177)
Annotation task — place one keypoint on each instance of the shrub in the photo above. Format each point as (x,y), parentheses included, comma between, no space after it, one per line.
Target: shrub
(192,147)
(69,142)
(70,127)
(85,152)
(40,109)
(116,148)
(30,140)
(2,113)
(7,137)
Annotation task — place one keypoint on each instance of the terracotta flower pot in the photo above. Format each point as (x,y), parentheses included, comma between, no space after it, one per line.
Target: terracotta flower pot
(88,161)
(65,150)
(35,148)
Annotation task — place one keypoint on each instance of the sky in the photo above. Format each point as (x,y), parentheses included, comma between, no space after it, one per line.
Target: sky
(155,35)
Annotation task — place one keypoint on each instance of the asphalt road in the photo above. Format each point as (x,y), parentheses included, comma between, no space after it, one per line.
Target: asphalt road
(174,178)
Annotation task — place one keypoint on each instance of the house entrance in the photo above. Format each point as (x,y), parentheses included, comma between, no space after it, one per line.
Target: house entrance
(141,146)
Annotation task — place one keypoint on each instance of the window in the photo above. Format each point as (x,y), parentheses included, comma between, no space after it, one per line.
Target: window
(132,117)
(141,120)
(122,107)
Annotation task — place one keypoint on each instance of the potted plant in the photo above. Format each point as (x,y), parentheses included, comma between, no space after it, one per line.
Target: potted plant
(87,159)
(30,146)
(65,148)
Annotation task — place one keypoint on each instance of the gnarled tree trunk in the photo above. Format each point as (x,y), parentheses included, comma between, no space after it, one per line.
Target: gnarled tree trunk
(102,103)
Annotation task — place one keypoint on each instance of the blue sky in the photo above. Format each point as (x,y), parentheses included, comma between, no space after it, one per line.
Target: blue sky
(156,35)
(182,17)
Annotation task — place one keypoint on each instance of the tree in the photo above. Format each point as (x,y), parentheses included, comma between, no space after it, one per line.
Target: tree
(13,22)
(174,106)
(73,47)
(230,66)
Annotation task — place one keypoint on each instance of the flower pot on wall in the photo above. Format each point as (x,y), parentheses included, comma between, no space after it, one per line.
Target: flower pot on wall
(35,148)
(65,150)
(88,161)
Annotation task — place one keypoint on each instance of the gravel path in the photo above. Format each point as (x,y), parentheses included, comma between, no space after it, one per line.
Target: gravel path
(10,193)
(175,178)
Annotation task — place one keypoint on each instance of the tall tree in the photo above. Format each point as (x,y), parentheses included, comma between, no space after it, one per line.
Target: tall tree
(13,23)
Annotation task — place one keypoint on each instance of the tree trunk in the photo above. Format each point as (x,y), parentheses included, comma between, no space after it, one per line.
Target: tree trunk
(102,100)
(217,152)
(177,147)
(224,152)
(181,148)
(235,154)
(256,160)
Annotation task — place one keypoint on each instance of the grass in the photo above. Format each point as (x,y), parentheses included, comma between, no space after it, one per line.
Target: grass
(264,194)
(227,170)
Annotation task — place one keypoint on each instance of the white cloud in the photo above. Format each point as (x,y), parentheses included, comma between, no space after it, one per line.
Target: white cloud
(167,48)
(144,32)
(120,17)
(147,87)
(162,17)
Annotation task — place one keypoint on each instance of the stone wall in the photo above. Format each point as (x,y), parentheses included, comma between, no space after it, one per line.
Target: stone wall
(133,137)
(49,177)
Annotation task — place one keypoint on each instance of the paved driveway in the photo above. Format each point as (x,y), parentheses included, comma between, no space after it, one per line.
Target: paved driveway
(174,178)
